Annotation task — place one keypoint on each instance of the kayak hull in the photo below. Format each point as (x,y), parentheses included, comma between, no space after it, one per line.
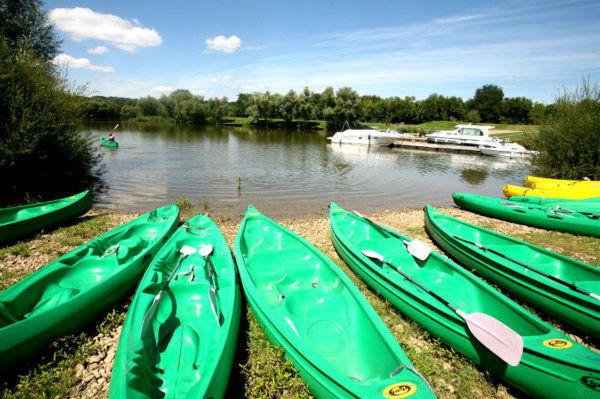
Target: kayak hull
(110,144)
(23,220)
(545,217)
(309,307)
(583,205)
(67,294)
(577,309)
(186,352)
(516,191)
(531,180)
(541,373)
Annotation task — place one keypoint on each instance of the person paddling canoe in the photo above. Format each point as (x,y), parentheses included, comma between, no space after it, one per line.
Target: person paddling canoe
(111,136)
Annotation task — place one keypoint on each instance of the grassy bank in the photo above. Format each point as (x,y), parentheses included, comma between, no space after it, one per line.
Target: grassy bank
(79,366)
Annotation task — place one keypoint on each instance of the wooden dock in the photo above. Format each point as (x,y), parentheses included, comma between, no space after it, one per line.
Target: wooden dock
(425,146)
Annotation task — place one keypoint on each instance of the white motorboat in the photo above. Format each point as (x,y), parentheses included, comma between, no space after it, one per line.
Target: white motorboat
(473,135)
(498,148)
(365,137)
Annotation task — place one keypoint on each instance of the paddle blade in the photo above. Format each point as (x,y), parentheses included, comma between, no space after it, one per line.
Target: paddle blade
(205,250)
(418,249)
(186,250)
(503,341)
(372,254)
(149,314)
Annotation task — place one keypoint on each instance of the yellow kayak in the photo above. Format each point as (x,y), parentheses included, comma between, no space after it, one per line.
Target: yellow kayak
(513,191)
(547,184)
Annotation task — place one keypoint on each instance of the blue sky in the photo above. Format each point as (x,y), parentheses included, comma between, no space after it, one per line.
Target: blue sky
(387,48)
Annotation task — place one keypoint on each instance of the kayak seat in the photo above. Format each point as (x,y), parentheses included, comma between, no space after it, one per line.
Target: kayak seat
(129,248)
(54,296)
(180,360)
(6,318)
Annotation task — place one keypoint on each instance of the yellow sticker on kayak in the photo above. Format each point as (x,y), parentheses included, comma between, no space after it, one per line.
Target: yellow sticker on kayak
(558,343)
(338,210)
(400,390)
(253,214)
(74,197)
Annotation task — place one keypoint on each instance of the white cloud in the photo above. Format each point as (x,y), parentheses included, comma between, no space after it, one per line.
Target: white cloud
(457,19)
(98,50)
(83,23)
(162,89)
(79,63)
(224,44)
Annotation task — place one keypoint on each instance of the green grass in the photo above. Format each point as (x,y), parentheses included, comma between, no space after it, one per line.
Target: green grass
(586,249)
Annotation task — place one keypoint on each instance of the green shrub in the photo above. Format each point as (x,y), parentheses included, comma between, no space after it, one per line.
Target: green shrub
(41,154)
(569,138)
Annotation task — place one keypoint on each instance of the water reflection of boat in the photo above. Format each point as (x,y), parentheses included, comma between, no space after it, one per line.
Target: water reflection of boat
(376,156)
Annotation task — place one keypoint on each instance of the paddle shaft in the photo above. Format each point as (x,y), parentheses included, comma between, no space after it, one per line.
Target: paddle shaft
(390,232)
(211,291)
(433,294)
(556,279)
(158,296)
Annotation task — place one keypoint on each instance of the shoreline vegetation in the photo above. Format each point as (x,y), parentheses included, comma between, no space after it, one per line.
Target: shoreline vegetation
(513,132)
(79,366)
(330,109)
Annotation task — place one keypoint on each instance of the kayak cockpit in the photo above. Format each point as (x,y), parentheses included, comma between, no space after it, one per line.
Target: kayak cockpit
(302,291)
(437,274)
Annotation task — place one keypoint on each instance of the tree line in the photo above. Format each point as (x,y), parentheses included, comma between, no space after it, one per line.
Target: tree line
(42,154)
(488,105)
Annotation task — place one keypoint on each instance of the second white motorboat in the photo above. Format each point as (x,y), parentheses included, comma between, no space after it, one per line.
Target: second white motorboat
(365,137)
(473,135)
(498,148)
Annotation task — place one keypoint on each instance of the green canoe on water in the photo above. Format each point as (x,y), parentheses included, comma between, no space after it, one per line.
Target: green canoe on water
(583,205)
(75,289)
(107,143)
(184,352)
(552,364)
(486,251)
(19,221)
(307,305)
(542,216)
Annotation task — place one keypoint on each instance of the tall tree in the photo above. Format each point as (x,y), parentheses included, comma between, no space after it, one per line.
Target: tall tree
(25,23)
(517,110)
(488,102)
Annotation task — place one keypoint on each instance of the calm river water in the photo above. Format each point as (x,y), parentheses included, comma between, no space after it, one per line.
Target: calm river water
(282,172)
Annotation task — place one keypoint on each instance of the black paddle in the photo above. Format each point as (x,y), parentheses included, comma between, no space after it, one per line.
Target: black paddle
(556,279)
(416,248)
(491,332)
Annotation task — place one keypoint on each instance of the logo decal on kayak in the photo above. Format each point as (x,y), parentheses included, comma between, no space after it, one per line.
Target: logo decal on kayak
(254,214)
(591,382)
(400,390)
(73,197)
(558,343)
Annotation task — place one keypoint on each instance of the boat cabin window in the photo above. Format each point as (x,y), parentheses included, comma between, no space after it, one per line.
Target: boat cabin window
(471,132)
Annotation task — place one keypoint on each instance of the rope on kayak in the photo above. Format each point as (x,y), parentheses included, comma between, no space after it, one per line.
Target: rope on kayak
(404,366)
(111,251)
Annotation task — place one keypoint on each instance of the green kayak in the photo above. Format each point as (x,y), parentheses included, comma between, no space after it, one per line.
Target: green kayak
(552,364)
(107,143)
(185,351)
(307,305)
(463,241)
(542,216)
(19,221)
(583,205)
(76,288)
